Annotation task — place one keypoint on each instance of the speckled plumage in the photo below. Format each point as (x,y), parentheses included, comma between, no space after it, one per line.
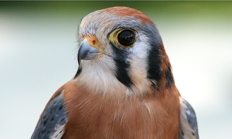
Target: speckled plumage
(52,119)
(118,92)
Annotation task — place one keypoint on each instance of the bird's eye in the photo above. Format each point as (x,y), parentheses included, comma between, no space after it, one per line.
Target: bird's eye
(122,37)
(126,37)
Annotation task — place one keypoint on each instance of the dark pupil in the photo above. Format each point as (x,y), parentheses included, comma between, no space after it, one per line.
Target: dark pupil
(126,38)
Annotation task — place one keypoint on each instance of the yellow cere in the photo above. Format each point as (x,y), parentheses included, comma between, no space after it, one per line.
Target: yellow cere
(93,41)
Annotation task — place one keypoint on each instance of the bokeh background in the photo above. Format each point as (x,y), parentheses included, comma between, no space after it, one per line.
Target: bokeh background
(38,51)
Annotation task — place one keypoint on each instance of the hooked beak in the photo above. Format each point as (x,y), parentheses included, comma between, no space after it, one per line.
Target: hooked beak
(86,51)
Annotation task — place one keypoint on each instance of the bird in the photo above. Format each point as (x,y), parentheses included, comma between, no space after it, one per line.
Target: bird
(124,87)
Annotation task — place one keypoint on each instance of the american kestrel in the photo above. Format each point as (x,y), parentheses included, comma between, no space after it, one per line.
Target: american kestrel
(124,86)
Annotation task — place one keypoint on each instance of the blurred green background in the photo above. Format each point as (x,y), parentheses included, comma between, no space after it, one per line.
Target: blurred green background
(38,52)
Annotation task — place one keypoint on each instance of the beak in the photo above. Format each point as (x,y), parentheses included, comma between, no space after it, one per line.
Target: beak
(86,51)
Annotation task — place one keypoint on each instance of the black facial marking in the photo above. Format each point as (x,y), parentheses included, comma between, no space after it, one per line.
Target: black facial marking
(154,62)
(78,72)
(122,66)
(169,77)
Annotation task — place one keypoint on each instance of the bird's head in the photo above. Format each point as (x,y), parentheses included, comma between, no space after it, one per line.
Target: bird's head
(122,46)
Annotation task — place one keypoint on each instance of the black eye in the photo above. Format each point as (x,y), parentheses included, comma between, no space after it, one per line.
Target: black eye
(126,37)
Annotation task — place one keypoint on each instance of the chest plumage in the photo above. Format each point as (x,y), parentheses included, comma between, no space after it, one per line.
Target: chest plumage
(120,116)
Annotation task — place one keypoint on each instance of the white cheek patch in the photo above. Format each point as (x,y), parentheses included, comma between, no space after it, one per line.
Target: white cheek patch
(138,63)
(141,46)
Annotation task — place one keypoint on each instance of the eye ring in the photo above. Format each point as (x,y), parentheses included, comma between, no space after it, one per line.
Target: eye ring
(126,37)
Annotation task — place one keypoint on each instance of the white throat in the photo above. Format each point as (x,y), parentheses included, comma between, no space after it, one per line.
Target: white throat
(99,76)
